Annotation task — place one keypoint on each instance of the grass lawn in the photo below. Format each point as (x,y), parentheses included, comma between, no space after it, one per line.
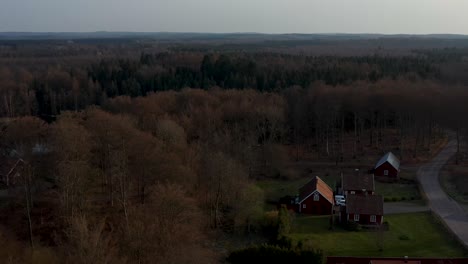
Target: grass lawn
(426,237)
(398,190)
(275,189)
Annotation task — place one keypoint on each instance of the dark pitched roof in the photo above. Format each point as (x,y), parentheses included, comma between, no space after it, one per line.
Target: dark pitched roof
(367,260)
(316,184)
(387,261)
(358,181)
(364,204)
(390,158)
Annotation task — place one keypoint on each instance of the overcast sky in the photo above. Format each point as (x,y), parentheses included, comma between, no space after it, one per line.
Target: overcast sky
(267,16)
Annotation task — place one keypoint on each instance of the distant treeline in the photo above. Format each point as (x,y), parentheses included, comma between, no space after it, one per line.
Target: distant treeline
(46,86)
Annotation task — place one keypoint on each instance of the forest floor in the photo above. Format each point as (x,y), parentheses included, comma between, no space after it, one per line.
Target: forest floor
(454,180)
(414,234)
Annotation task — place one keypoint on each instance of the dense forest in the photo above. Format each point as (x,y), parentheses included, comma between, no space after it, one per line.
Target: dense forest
(134,151)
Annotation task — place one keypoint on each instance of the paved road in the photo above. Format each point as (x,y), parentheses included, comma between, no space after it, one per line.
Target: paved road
(449,210)
(403,208)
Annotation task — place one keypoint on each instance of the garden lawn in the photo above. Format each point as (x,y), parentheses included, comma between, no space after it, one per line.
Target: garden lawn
(275,189)
(425,237)
(397,191)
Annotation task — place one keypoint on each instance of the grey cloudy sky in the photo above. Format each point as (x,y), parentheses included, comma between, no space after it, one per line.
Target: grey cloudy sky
(268,16)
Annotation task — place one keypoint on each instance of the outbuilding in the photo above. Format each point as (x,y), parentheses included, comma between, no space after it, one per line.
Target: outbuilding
(388,167)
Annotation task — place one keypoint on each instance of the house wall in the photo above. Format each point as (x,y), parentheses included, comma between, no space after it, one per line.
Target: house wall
(359,192)
(364,219)
(392,172)
(320,207)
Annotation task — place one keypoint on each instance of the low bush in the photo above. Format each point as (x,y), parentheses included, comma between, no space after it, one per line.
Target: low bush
(403,237)
(353,226)
(274,254)
(385,226)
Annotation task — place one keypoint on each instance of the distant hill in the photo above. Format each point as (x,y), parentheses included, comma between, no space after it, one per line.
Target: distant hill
(210,36)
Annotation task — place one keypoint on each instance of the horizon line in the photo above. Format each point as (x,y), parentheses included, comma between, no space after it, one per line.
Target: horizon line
(228,32)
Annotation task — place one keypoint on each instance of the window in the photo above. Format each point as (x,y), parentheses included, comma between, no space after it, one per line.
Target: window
(385,172)
(303,205)
(316,197)
(373,219)
(353,192)
(356,218)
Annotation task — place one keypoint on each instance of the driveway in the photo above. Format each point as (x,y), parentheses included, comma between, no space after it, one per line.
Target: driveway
(404,207)
(452,213)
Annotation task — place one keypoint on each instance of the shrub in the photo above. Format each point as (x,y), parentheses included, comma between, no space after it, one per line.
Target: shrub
(385,226)
(353,226)
(403,198)
(386,199)
(270,224)
(395,199)
(403,237)
(284,221)
(274,254)
(284,242)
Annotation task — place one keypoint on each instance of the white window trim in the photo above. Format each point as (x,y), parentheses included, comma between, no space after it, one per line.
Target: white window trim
(385,172)
(303,205)
(353,192)
(316,197)
(373,218)
(356,218)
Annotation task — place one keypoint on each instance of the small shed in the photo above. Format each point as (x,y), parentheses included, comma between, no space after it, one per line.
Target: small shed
(316,197)
(387,167)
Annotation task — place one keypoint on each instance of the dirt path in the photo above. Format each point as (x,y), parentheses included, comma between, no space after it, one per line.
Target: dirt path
(452,213)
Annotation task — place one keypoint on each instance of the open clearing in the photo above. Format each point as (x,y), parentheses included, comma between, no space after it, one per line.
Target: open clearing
(415,235)
(275,188)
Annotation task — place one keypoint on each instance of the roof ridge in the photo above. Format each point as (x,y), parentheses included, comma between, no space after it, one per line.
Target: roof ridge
(319,179)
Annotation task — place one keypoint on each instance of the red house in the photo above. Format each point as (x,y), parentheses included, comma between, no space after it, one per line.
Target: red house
(316,197)
(357,183)
(364,209)
(387,167)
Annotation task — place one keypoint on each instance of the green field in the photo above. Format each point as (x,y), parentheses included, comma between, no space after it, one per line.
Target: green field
(398,191)
(424,237)
(275,189)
